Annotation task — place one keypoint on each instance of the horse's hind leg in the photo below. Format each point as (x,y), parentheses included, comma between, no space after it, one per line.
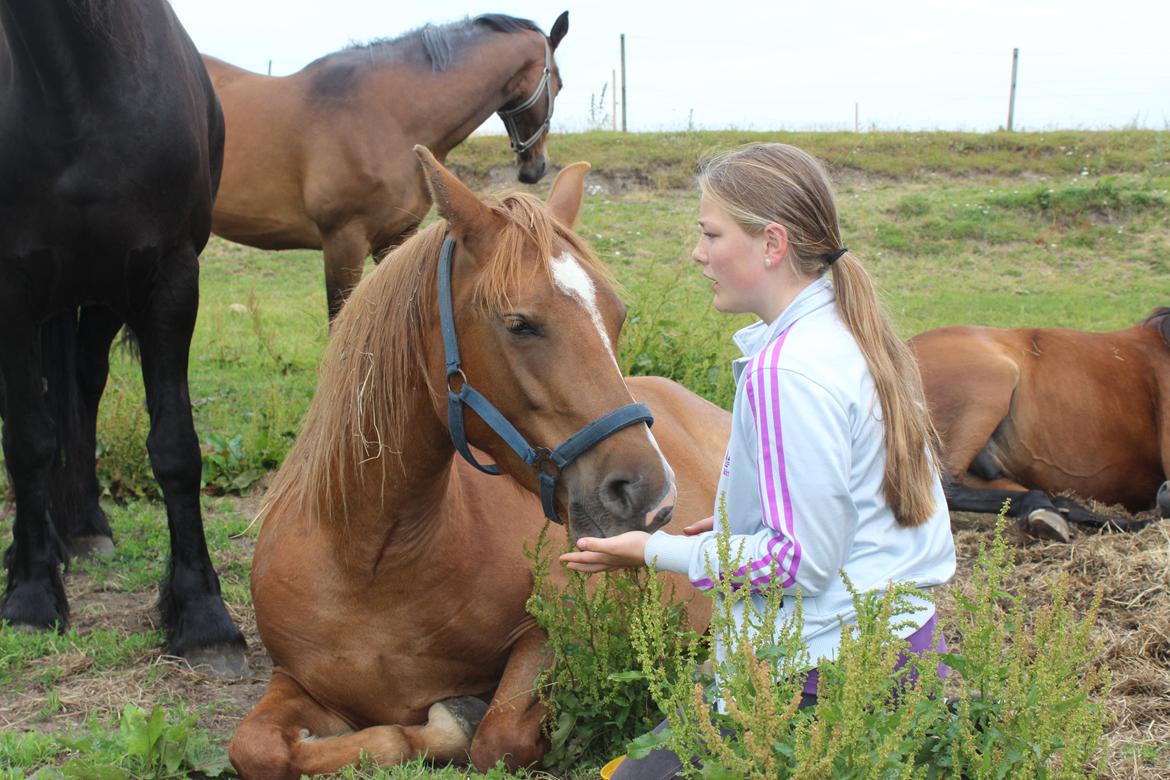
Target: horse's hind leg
(78,515)
(198,626)
(512,730)
(289,734)
(35,595)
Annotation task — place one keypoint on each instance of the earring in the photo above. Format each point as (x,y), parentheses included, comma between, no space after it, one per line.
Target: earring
(767,263)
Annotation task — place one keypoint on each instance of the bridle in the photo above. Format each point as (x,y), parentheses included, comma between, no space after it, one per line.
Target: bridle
(548,463)
(508,114)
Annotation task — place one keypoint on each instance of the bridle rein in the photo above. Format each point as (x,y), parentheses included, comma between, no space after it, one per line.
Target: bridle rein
(508,115)
(548,463)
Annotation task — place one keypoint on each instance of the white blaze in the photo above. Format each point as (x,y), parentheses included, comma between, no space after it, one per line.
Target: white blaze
(571,278)
(574,281)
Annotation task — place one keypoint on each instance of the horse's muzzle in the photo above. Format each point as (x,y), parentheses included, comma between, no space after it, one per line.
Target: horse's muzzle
(660,515)
(532,171)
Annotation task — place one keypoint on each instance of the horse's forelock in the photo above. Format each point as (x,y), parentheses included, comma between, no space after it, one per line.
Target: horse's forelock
(1159,319)
(529,228)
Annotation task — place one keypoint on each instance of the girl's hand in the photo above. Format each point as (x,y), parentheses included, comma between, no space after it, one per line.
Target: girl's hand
(699,526)
(596,554)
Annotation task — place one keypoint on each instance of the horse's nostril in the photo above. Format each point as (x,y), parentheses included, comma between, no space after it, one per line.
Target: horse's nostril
(619,495)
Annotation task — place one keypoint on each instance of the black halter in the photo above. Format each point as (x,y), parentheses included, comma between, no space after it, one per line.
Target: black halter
(508,114)
(548,463)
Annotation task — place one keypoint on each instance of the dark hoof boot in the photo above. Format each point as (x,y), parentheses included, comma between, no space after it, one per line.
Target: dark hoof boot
(227,661)
(1047,524)
(89,548)
(466,711)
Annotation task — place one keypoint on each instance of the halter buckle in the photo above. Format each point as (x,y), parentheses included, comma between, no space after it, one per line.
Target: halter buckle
(544,463)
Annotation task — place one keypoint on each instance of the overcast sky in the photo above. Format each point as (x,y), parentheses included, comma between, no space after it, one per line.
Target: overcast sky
(919,65)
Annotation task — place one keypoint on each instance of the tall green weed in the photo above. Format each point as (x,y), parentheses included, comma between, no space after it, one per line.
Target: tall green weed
(1023,699)
(596,691)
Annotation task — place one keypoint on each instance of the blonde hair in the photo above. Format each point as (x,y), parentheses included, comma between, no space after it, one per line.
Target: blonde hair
(765,183)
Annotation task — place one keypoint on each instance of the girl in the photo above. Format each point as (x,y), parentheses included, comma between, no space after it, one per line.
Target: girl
(830,464)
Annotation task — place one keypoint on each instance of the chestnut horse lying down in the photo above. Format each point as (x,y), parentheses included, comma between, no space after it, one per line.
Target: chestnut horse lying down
(1025,413)
(389,577)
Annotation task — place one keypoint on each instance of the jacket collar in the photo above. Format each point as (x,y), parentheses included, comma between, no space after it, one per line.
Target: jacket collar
(756,336)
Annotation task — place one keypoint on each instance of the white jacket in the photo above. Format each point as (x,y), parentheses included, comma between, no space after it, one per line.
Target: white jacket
(802,480)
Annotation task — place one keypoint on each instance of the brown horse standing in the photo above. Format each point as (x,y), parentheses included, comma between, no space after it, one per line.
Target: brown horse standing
(1021,413)
(321,159)
(389,578)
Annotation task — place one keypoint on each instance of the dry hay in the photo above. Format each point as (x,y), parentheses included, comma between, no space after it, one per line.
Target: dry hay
(1132,572)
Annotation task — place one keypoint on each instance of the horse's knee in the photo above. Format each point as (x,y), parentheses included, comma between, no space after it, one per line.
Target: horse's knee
(518,743)
(259,751)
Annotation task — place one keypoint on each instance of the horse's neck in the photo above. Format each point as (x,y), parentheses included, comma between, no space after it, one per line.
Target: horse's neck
(396,511)
(63,50)
(464,97)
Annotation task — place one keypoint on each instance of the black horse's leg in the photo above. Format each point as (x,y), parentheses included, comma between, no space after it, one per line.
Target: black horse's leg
(35,595)
(198,625)
(75,379)
(89,534)
(1075,513)
(70,463)
(1032,508)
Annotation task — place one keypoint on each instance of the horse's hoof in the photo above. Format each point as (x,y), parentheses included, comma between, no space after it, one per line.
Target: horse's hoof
(1047,524)
(465,711)
(88,548)
(1164,501)
(35,606)
(228,661)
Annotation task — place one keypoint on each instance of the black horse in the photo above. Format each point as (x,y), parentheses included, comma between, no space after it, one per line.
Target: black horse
(111,146)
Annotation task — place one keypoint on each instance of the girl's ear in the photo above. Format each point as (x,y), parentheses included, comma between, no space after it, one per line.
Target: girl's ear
(775,244)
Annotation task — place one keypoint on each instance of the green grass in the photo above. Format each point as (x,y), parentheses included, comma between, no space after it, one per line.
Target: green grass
(1066,229)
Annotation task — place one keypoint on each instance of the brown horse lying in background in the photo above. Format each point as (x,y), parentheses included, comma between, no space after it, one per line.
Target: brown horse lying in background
(321,159)
(1024,413)
(389,577)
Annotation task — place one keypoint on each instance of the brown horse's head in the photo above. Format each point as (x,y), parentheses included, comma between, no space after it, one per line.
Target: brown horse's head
(535,92)
(537,321)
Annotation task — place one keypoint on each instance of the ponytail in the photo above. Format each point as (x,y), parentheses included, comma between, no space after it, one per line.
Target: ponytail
(911,462)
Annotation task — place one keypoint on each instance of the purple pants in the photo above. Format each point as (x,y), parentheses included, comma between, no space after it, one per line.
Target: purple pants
(920,641)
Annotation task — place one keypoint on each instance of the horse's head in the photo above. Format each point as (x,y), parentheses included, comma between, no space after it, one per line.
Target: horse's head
(528,114)
(537,322)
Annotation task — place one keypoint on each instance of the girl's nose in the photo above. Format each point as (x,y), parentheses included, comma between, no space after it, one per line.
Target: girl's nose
(695,254)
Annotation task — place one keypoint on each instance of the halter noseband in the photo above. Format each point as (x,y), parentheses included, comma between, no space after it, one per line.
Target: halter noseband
(548,463)
(508,114)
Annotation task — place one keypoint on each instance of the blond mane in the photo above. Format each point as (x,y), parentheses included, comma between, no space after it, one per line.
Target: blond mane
(376,356)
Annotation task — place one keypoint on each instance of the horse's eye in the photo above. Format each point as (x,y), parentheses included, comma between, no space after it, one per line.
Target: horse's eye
(519,325)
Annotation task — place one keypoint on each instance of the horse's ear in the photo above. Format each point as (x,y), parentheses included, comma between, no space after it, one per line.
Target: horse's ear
(559,28)
(568,189)
(468,217)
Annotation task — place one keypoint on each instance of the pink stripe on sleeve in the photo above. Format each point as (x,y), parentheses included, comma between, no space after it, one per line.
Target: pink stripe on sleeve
(771,453)
(763,394)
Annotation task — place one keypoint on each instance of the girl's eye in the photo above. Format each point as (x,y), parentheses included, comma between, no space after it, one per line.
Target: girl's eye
(518,325)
